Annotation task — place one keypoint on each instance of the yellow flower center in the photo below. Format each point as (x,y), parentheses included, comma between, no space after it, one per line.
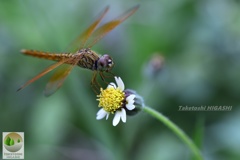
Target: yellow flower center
(110,99)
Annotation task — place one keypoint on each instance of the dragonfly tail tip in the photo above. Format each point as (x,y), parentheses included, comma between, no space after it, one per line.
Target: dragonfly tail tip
(23,50)
(19,89)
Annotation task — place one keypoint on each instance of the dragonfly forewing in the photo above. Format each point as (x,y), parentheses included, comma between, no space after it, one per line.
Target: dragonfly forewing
(104,29)
(80,41)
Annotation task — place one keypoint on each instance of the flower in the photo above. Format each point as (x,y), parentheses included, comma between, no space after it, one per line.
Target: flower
(116,101)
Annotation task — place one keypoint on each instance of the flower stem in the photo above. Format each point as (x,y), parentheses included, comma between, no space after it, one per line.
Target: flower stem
(179,132)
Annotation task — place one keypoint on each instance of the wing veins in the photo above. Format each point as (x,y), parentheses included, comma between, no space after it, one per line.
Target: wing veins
(45,71)
(88,32)
(107,27)
(58,78)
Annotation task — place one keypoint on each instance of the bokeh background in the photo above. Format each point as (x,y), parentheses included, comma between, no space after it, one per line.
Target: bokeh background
(173,53)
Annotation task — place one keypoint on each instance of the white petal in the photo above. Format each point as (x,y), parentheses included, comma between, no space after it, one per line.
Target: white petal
(130,99)
(112,85)
(116,118)
(101,114)
(130,107)
(123,115)
(101,111)
(130,102)
(120,83)
(107,116)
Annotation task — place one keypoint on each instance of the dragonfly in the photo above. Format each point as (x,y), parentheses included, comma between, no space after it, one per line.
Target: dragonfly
(82,55)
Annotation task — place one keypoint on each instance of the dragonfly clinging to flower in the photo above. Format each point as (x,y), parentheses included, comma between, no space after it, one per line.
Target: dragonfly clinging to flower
(83,57)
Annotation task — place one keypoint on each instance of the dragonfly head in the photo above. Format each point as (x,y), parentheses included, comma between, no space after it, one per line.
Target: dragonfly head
(105,63)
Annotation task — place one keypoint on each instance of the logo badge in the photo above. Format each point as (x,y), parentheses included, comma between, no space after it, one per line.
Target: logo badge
(13,145)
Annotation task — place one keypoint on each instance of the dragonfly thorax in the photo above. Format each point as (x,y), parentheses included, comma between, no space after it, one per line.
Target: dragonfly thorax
(104,63)
(91,60)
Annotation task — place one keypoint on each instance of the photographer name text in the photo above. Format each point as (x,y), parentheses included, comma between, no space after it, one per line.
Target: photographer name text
(205,108)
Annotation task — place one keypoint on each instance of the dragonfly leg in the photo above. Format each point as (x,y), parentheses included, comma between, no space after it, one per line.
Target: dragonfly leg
(94,83)
(103,77)
(110,74)
(106,75)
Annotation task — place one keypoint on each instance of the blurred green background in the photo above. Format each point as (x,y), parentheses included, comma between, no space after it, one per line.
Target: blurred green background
(200,44)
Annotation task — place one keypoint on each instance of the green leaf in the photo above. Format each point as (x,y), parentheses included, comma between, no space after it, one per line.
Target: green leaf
(7,141)
(11,142)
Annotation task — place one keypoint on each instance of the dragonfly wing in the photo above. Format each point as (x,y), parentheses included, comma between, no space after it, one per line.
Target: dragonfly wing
(104,29)
(80,41)
(58,78)
(50,68)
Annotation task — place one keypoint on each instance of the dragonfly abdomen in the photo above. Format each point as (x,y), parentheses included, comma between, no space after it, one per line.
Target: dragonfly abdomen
(47,55)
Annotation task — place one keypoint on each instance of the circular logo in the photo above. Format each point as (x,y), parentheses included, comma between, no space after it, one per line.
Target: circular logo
(13,142)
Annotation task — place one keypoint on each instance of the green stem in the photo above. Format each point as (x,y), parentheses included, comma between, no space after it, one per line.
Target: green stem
(176,130)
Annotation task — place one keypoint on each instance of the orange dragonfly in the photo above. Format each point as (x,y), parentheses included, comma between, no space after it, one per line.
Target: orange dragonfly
(83,57)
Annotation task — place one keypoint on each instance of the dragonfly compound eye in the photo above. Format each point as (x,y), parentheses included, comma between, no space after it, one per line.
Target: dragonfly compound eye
(110,63)
(105,63)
